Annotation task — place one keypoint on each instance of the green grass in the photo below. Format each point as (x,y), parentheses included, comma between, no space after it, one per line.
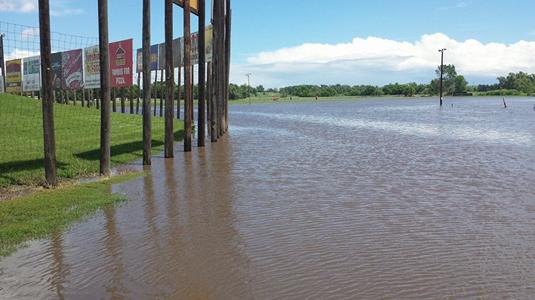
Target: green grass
(77,140)
(40,214)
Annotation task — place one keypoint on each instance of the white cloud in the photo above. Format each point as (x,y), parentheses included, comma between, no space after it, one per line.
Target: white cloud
(57,7)
(20,53)
(375,60)
(30,32)
(24,6)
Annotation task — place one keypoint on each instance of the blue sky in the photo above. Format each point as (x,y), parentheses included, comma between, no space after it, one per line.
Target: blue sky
(299,41)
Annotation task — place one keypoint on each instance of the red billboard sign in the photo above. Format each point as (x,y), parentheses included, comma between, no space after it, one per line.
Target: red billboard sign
(121,64)
(72,69)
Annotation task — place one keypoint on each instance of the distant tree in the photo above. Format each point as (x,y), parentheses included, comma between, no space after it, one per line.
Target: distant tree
(453,83)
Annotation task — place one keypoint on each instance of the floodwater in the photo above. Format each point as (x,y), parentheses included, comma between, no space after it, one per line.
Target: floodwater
(369,199)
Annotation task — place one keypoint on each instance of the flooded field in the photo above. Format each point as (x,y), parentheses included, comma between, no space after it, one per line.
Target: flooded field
(368,199)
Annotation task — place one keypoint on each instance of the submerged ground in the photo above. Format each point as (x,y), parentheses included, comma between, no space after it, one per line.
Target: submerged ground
(390,198)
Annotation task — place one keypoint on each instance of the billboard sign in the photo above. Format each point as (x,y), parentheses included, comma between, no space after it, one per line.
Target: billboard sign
(31,75)
(72,66)
(193,4)
(121,64)
(161,56)
(153,57)
(176,55)
(92,67)
(14,76)
(57,72)
(208,40)
(139,60)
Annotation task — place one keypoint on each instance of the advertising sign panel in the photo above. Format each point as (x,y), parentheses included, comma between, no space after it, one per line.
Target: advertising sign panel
(121,64)
(193,4)
(161,56)
(57,72)
(31,75)
(139,60)
(92,67)
(153,57)
(14,76)
(72,69)
(208,40)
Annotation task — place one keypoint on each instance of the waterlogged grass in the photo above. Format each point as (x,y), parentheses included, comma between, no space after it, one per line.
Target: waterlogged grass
(38,215)
(77,140)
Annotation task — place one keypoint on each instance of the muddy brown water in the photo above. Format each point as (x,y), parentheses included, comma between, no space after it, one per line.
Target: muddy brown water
(370,199)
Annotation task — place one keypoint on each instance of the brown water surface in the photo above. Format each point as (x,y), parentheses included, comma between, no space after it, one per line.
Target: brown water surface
(368,199)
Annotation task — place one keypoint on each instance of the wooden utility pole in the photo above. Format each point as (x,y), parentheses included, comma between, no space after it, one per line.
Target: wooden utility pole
(170,70)
(2,65)
(179,92)
(219,61)
(131,99)
(114,99)
(228,19)
(162,91)
(105,122)
(201,107)
(209,98)
(441,75)
(139,91)
(155,92)
(49,136)
(147,134)
(188,101)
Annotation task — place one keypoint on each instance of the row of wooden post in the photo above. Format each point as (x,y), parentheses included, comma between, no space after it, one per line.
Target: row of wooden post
(213,82)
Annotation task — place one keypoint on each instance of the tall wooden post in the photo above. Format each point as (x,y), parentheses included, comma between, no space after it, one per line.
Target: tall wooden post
(219,61)
(441,75)
(139,92)
(188,102)
(155,93)
(105,122)
(201,107)
(49,136)
(83,97)
(179,93)
(162,92)
(147,134)
(209,98)
(123,104)
(114,99)
(228,21)
(2,65)
(131,99)
(170,70)
(192,88)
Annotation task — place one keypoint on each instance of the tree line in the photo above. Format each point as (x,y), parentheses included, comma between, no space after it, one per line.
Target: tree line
(454,84)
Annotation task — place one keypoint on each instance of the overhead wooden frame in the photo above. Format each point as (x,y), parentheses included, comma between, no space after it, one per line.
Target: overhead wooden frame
(194,5)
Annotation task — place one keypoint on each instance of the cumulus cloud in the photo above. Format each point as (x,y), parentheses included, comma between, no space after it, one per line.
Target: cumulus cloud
(57,7)
(30,33)
(23,6)
(375,60)
(20,53)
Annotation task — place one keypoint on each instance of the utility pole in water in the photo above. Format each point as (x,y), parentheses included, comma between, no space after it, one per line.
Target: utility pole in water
(249,86)
(441,74)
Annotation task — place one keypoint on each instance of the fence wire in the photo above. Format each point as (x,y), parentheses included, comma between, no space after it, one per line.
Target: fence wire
(76,119)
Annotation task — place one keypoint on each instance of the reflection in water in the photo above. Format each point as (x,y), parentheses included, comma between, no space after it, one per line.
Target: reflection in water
(344,200)
(58,270)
